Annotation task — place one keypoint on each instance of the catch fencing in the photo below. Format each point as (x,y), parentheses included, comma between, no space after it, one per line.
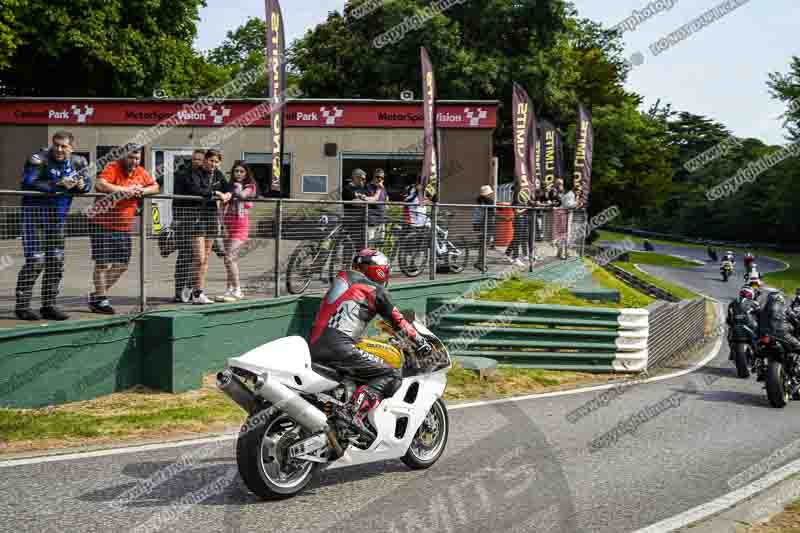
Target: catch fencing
(285,247)
(674,327)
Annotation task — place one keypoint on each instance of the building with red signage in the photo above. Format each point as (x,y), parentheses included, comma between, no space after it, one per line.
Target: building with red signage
(324,139)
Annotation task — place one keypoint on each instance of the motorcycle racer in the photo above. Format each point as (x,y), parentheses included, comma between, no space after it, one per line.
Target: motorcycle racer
(353,300)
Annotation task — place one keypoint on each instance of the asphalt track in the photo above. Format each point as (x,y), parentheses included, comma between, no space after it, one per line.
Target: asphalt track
(509,466)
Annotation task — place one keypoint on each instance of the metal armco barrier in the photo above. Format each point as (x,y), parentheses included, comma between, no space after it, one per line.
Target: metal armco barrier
(674,327)
(553,337)
(647,288)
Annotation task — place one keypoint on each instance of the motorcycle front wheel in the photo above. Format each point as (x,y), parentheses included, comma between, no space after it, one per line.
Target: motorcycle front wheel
(777,385)
(430,440)
(261,455)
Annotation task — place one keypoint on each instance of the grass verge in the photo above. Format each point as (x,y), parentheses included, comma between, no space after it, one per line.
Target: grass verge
(142,415)
(652,258)
(508,381)
(785,522)
(676,290)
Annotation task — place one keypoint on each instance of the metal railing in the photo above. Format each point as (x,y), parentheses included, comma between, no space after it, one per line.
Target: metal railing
(281,247)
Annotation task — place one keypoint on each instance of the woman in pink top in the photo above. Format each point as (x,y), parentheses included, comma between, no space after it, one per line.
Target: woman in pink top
(237,224)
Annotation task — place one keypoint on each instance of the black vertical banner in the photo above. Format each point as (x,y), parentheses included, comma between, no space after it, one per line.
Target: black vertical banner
(276,66)
(430,174)
(584,145)
(521,115)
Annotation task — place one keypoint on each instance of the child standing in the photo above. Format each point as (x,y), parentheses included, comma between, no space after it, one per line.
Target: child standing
(237,224)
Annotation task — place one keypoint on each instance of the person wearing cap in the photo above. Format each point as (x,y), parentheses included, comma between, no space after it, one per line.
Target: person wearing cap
(485,197)
(125,181)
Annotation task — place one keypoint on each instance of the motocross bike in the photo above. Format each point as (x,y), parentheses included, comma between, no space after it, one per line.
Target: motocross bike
(726,269)
(781,371)
(742,342)
(299,420)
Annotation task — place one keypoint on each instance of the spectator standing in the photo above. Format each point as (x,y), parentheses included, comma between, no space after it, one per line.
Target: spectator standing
(355,191)
(44,218)
(209,183)
(376,190)
(519,242)
(485,197)
(237,224)
(184,216)
(126,181)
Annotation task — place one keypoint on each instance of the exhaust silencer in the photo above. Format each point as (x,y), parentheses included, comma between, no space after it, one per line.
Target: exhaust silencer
(283,398)
(291,403)
(233,387)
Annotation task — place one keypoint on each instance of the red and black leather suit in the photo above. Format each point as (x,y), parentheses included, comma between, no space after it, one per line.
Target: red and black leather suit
(347,309)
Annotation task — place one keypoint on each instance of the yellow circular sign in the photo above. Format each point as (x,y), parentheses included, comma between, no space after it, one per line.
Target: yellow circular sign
(156,219)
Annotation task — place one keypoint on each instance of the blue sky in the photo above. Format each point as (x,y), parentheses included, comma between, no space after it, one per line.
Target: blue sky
(720,71)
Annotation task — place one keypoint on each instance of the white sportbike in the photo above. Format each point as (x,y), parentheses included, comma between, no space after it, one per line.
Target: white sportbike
(300,422)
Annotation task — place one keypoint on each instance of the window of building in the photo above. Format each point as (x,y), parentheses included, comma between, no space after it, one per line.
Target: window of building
(261,164)
(401,170)
(313,183)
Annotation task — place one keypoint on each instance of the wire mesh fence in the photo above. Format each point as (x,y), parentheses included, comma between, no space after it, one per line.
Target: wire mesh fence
(84,261)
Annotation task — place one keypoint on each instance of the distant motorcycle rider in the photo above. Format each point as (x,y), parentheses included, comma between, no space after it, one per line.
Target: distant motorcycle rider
(43,222)
(353,300)
(748,261)
(728,257)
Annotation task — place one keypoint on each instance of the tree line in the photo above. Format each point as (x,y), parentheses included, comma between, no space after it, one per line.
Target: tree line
(656,164)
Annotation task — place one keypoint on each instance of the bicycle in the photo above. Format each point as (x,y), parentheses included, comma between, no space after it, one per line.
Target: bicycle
(308,260)
(416,244)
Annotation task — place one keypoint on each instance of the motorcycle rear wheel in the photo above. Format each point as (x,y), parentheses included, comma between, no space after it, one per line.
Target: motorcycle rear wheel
(777,385)
(261,457)
(421,454)
(740,356)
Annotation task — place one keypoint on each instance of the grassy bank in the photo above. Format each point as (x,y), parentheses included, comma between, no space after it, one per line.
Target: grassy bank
(676,290)
(144,415)
(538,292)
(652,258)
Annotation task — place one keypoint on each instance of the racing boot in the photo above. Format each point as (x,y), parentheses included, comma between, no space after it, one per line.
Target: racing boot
(25,281)
(363,401)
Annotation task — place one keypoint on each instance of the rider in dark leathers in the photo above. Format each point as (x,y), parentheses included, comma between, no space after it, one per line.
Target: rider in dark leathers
(776,322)
(348,307)
(744,310)
(44,220)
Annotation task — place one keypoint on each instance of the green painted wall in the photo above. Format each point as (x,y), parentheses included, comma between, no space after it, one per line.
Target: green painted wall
(62,363)
(165,350)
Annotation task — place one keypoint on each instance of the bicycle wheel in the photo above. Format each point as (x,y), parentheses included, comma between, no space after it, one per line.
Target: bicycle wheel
(457,255)
(413,254)
(301,268)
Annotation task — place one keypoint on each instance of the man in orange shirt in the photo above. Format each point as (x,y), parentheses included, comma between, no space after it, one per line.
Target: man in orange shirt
(125,181)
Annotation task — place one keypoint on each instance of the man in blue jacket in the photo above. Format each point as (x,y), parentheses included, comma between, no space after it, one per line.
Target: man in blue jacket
(43,222)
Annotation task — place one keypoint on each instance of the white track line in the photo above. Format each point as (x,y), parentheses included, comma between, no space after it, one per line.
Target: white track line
(723,502)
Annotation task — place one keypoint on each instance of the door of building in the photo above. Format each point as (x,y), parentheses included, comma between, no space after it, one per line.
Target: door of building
(165,164)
